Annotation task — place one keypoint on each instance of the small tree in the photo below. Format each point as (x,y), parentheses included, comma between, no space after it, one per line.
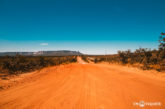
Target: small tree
(161,43)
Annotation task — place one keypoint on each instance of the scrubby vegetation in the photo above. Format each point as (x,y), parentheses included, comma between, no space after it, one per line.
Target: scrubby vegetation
(20,64)
(143,57)
(84,58)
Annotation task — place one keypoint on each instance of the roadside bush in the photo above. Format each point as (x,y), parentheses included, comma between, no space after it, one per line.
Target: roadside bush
(144,57)
(84,58)
(20,64)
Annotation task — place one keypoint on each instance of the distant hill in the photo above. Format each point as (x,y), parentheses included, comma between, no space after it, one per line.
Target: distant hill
(43,53)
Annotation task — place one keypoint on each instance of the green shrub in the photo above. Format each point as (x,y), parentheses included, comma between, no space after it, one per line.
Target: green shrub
(20,64)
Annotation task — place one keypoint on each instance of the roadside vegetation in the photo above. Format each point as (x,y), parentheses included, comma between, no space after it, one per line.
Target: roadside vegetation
(143,57)
(85,58)
(20,64)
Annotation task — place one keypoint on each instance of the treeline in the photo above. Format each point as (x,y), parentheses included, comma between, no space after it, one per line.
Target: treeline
(142,57)
(20,64)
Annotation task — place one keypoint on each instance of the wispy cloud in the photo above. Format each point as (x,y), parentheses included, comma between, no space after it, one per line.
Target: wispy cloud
(44,44)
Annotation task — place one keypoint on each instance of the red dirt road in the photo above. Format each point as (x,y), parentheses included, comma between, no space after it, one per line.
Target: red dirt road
(86,86)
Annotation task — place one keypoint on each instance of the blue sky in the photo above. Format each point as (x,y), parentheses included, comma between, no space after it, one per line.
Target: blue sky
(90,26)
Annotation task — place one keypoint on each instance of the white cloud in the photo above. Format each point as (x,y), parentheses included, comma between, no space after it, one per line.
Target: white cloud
(44,44)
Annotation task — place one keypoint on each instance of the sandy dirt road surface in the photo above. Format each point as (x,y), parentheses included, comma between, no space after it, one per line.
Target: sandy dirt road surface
(85,86)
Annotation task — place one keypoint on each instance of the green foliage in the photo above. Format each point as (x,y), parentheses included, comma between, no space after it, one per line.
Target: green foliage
(146,58)
(20,64)
(84,58)
(161,43)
